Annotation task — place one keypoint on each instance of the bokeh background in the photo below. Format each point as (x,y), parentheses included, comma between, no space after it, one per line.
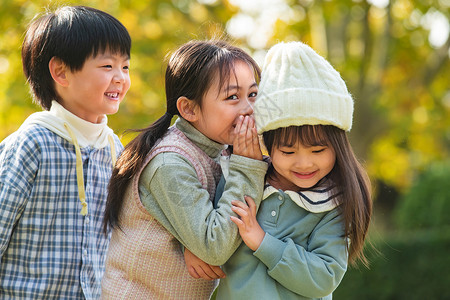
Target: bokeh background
(394,57)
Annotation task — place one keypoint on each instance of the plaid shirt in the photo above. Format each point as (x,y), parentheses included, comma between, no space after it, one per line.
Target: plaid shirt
(48,250)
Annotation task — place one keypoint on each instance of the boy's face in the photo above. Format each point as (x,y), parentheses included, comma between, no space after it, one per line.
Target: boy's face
(98,88)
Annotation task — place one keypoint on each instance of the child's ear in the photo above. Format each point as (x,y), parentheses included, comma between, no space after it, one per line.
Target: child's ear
(58,71)
(188,109)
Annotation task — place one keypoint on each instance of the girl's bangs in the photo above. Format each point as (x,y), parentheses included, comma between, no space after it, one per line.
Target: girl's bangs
(307,135)
(225,69)
(225,64)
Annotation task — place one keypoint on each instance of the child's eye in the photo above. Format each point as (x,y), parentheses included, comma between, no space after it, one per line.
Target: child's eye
(233,97)
(287,152)
(253,95)
(126,67)
(318,150)
(107,66)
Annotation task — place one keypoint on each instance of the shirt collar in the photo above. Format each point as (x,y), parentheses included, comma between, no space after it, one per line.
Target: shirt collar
(85,131)
(321,198)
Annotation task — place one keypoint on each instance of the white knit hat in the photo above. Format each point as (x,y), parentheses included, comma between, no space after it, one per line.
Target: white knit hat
(299,87)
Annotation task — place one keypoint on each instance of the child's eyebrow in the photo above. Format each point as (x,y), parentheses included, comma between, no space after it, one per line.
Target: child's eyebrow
(253,85)
(237,87)
(115,57)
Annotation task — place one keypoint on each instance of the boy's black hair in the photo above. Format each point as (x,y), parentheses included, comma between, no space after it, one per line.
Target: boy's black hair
(73,34)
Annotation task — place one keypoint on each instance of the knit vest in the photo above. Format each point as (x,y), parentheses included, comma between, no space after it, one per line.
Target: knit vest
(144,260)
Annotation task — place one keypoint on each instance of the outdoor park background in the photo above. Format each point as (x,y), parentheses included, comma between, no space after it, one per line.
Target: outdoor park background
(394,57)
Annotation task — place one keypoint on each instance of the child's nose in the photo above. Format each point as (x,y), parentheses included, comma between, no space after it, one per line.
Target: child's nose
(247,107)
(120,76)
(303,162)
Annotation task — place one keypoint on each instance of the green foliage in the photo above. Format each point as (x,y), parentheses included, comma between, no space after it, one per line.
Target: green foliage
(411,267)
(399,82)
(398,79)
(427,204)
(156,28)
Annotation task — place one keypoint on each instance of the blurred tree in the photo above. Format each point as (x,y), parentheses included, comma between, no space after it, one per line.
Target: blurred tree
(427,203)
(156,27)
(394,56)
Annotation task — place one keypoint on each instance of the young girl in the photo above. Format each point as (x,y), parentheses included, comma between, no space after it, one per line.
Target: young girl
(317,206)
(162,188)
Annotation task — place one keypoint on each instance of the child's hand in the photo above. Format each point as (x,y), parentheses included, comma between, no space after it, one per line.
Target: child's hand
(246,142)
(197,268)
(252,234)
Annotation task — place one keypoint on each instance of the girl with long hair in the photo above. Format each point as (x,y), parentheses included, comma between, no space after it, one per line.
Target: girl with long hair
(162,190)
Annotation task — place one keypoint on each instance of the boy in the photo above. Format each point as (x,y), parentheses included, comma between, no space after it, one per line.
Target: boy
(54,170)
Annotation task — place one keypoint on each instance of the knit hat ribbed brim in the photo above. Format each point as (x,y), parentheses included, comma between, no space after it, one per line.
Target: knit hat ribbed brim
(299,87)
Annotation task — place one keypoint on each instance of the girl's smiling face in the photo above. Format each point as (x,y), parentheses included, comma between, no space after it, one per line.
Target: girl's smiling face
(299,167)
(221,109)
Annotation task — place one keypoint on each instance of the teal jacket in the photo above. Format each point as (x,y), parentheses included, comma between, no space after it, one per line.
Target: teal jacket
(303,254)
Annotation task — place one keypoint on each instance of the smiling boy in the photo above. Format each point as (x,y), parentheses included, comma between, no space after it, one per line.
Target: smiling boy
(54,170)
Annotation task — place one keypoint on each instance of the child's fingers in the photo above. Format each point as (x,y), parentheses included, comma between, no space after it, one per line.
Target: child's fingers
(193,273)
(237,129)
(253,133)
(237,221)
(246,141)
(250,130)
(255,138)
(254,144)
(240,206)
(251,204)
(245,122)
(243,134)
(249,137)
(251,123)
(209,272)
(237,143)
(252,140)
(241,212)
(218,272)
(202,274)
